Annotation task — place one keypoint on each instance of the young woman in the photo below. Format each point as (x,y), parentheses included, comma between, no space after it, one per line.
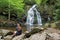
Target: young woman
(15,33)
(18,30)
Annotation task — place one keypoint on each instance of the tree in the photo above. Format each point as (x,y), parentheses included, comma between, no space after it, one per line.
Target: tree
(12,7)
(18,6)
(57,10)
(4,6)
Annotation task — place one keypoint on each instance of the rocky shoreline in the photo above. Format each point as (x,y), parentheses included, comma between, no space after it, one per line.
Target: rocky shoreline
(45,35)
(48,34)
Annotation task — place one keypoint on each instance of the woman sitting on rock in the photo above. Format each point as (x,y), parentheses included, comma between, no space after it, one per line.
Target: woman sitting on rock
(18,30)
(15,33)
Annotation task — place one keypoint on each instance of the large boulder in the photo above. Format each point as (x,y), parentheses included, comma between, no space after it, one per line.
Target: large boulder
(34,31)
(4,32)
(46,25)
(53,25)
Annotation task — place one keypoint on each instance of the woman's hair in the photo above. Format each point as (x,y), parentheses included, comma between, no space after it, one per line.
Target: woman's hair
(18,22)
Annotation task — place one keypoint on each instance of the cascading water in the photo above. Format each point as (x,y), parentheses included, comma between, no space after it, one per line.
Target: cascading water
(30,17)
(38,17)
(49,18)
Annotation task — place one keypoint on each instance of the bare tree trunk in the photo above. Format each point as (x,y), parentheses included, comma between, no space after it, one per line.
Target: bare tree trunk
(9,12)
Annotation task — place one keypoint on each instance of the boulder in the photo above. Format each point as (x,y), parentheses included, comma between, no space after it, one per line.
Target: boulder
(53,25)
(33,31)
(47,25)
(4,32)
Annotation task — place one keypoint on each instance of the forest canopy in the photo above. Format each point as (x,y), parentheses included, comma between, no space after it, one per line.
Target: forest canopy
(16,8)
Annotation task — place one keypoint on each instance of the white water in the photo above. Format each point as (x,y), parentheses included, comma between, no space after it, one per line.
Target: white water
(30,17)
(49,18)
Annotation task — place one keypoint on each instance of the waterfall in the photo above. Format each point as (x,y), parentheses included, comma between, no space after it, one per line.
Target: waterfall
(30,17)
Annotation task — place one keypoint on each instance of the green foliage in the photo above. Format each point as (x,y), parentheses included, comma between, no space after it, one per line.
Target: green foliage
(3,5)
(47,8)
(14,6)
(29,2)
(57,10)
(2,17)
(57,15)
(44,1)
(18,6)
(50,7)
(38,1)
(4,8)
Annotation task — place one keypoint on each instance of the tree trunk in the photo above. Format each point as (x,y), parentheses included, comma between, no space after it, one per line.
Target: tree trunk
(9,12)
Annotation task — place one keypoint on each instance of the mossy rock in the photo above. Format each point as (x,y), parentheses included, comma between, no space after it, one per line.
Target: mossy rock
(57,24)
(53,25)
(33,31)
(47,25)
